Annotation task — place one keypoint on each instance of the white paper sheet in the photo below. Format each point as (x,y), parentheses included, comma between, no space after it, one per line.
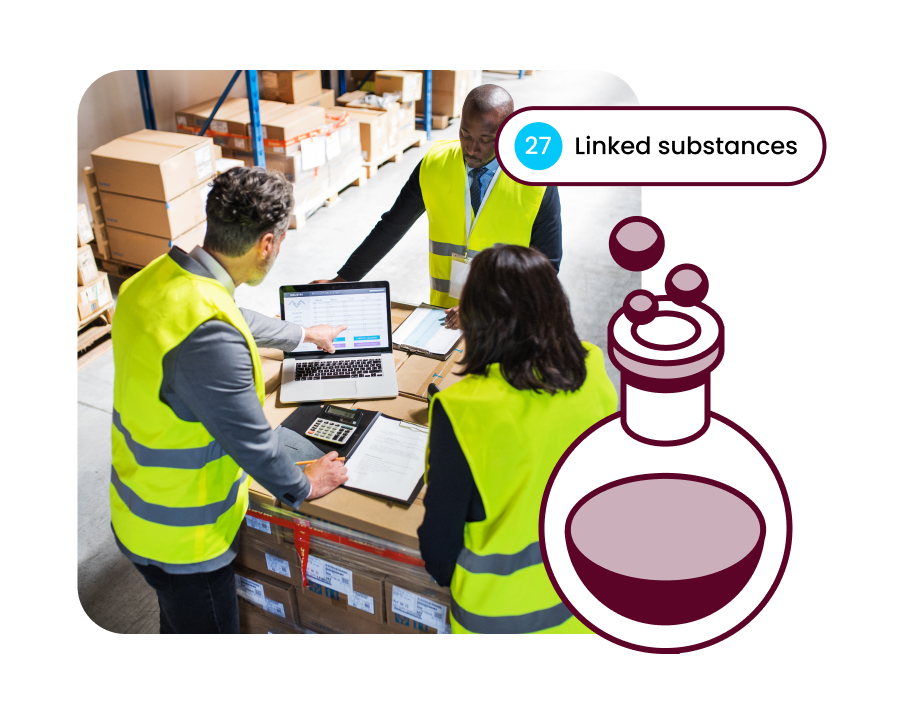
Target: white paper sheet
(389,460)
(423,330)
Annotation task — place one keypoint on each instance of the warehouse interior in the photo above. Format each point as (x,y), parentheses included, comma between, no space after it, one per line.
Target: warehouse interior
(113,594)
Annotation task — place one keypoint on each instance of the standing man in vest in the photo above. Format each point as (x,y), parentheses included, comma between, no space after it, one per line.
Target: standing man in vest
(471,205)
(188,426)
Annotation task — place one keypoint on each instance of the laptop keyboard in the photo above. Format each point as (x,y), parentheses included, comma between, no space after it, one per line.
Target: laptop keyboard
(338,369)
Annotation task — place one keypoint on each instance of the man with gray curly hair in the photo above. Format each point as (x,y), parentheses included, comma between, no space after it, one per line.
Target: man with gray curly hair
(188,427)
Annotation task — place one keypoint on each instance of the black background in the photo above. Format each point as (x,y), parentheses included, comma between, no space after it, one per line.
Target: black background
(764,252)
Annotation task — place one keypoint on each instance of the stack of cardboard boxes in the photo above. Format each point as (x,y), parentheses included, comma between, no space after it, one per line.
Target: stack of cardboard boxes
(318,151)
(382,129)
(448,91)
(153,188)
(94,294)
(349,590)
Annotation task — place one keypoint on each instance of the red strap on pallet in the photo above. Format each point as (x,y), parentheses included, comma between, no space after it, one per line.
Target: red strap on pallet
(303,531)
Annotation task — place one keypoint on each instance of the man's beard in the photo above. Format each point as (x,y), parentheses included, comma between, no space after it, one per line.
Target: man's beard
(263,271)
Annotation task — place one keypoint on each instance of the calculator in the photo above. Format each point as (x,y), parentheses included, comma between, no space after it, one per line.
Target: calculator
(334,424)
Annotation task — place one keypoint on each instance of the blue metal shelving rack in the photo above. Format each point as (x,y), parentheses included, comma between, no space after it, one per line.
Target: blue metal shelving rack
(252,79)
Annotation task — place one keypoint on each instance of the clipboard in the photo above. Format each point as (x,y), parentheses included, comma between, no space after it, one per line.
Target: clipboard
(300,420)
(420,350)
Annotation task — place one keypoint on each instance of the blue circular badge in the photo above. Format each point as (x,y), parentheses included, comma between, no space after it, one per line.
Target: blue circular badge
(538,146)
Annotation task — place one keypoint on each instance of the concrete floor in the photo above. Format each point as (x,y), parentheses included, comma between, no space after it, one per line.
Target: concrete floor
(112,592)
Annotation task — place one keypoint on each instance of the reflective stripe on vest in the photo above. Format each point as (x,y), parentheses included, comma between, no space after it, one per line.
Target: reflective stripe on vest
(175,516)
(512,440)
(508,624)
(507,216)
(499,564)
(177,459)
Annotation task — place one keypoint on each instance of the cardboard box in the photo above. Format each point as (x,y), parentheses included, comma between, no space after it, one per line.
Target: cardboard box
(272,596)
(191,119)
(351,592)
(448,91)
(85,232)
(422,611)
(323,99)
(93,296)
(343,169)
(414,376)
(406,119)
(223,165)
(87,266)
(323,618)
(254,621)
(279,561)
(351,97)
(152,217)
(407,82)
(283,129)
(140,249)
(234,131)
(373,131)
(261,532)
(152,164)
(290,86)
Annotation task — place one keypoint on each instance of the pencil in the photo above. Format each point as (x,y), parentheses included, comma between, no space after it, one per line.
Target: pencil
(310,462)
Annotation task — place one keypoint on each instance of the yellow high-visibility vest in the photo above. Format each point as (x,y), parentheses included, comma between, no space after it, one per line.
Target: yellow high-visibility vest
(176,497)
(512,440)
(507,216)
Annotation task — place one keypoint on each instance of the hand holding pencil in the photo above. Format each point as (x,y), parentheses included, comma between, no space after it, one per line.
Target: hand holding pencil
(324,474)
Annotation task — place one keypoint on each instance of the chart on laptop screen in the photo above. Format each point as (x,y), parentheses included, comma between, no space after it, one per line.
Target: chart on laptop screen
(364,311)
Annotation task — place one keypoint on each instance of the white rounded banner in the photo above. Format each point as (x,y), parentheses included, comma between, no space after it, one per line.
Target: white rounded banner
(626,145)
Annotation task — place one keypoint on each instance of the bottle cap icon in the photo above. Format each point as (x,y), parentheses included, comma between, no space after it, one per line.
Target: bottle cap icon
(667,343)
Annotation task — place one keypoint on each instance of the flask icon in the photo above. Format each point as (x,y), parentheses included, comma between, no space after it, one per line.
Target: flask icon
(665,527)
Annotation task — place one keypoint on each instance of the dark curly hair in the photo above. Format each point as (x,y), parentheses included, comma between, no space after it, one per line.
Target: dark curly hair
(243,205)
(513,311)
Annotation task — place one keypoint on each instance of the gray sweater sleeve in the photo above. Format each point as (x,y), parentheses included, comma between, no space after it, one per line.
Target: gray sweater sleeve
(271,332)
(208,378)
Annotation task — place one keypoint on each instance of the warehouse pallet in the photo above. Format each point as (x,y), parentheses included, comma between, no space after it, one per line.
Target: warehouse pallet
(395,154)
(98,220)
(329,197)
(438,122)
(117,267)
(94,335)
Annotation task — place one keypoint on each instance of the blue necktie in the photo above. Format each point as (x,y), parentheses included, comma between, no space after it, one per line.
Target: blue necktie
(475,190)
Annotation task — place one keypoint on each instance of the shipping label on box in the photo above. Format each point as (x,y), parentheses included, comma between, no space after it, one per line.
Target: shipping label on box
(85,232)
(261,530)
(354,593)
(271,558)
(87,266)
(274,597)
(94,296)
(426,615)
(329,575)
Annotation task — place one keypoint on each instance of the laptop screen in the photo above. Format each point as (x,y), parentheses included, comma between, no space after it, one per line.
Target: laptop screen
(364,307)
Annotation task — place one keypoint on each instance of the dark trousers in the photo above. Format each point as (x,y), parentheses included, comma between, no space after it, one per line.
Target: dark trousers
(197,603)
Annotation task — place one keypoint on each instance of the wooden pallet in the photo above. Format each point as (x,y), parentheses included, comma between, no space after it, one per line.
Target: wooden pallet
(98,219)
(438,122)
(395,154)
(328,197)
(95,335)
(116,267)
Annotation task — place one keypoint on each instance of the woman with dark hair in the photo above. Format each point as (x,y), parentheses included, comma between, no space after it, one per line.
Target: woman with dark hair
(531,387)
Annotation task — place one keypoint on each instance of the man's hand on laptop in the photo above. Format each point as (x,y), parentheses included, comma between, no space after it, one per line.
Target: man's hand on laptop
(336,278)
(322,336)
(324,475)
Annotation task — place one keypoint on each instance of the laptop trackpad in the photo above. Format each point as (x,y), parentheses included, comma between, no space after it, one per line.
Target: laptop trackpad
(339,389)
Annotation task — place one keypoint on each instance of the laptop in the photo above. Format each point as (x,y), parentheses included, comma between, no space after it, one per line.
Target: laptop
(362,365)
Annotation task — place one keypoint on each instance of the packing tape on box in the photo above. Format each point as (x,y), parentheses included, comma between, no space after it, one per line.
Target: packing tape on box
(339,122)
(303,531)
